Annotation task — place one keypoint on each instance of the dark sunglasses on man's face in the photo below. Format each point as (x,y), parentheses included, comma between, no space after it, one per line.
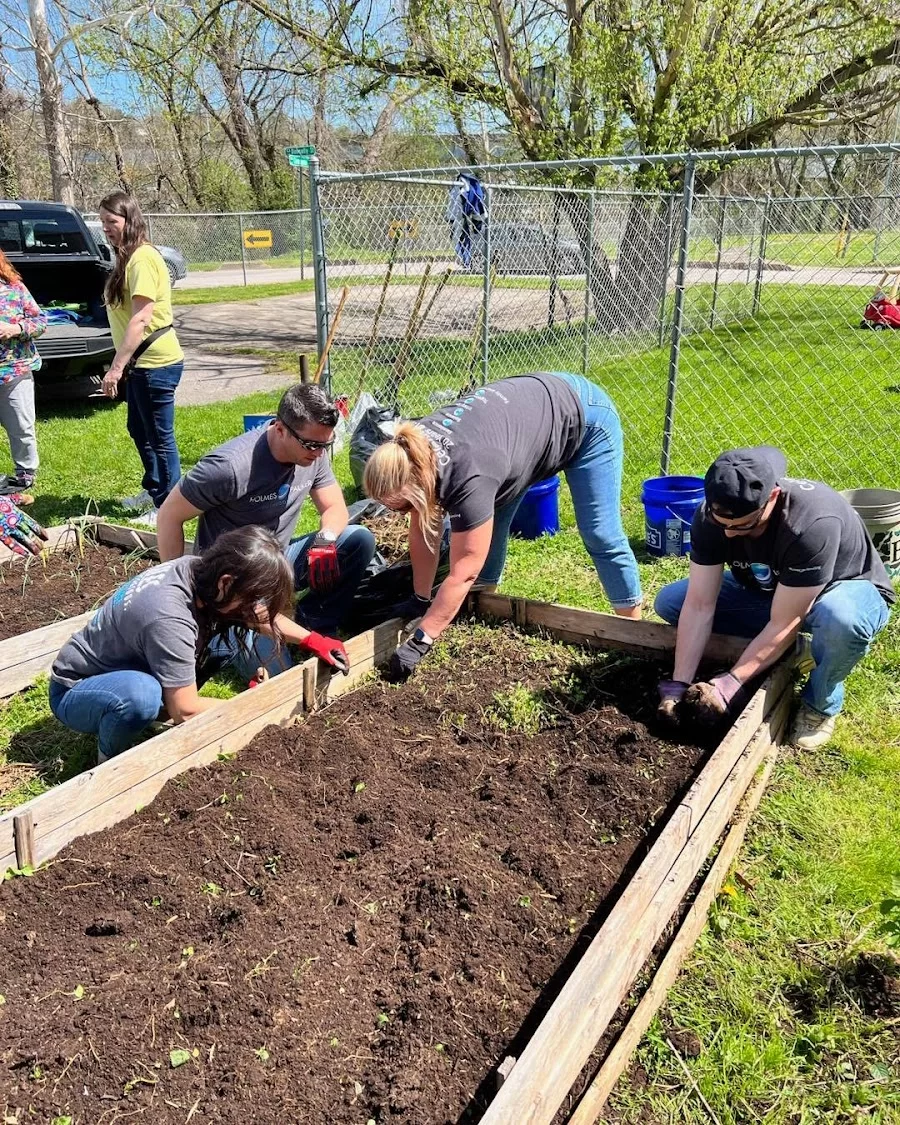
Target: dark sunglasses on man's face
(728,526)
(307,443)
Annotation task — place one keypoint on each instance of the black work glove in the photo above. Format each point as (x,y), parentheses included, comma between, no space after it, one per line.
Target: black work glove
(410,608)
(405,659)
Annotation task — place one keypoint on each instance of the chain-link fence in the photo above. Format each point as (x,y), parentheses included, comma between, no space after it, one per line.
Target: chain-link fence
(719,298)
(231,248)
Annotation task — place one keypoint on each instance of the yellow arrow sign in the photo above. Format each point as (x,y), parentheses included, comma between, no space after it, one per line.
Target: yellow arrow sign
(258,239)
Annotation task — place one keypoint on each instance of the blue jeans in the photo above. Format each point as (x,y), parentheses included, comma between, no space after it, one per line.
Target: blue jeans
(843,622)
(595,481)
(115,707)
(150,394)
(320,613)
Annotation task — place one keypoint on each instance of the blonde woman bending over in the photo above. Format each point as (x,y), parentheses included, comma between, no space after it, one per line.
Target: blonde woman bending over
(475,460)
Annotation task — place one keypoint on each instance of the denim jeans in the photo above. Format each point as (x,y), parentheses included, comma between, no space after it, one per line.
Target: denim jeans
(843,622)
(150,394)
(114,706)
(595,481)
(320,613)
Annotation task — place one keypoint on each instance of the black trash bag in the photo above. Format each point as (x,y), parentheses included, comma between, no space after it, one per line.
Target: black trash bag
(375,428)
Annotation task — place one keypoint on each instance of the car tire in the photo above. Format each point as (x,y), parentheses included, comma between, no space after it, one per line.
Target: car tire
(173,273)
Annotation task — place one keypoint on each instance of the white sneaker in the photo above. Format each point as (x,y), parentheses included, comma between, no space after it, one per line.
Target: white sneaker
(139,503)
(148,520)
(811,730)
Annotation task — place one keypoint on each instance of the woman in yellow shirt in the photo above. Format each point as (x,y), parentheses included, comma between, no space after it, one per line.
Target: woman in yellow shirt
(148,355)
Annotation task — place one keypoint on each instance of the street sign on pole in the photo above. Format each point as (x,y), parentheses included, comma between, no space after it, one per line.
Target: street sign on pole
(298,156)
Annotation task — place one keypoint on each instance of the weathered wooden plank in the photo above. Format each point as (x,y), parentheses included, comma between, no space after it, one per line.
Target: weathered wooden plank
(107,794)
(601,630)
(594,1098)
(562,1043)
(23,833)
(25,657)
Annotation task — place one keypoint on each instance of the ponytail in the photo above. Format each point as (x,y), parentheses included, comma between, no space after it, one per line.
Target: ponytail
(406,468)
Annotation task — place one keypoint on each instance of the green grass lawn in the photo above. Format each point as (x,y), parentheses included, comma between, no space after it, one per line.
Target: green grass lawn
(786,1032)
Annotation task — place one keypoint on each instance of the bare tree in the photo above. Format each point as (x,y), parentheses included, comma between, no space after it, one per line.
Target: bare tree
(59,152)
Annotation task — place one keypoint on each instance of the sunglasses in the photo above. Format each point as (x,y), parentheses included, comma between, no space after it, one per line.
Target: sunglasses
(307,443)
(728,526)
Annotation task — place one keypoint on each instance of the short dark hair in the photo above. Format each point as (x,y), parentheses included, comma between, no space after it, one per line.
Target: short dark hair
(307,402)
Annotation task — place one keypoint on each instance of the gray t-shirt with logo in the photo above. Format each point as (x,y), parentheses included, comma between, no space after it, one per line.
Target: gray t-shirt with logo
(240,484)
(495,443)
(148,625)
(814,538)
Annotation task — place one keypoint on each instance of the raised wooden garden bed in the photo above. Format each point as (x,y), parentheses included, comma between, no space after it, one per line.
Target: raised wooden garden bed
(534,1087)
(28,654)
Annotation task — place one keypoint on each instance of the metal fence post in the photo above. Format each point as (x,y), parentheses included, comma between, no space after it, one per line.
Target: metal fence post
(302,233)
(720,236)
(588,278)
(240,220)
(761,260)
(667,258)
(150,228)
(690,170)
(319,269)
(486,288)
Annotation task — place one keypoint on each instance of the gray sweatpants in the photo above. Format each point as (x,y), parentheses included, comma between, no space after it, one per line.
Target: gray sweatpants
(17,418)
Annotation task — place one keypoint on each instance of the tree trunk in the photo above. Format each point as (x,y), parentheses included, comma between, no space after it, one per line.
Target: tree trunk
(247,145)
(9,179)
(627,296)
(58,149)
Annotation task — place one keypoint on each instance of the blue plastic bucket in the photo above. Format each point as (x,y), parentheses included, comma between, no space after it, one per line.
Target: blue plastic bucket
(538,513)
(669,507)
(254,421)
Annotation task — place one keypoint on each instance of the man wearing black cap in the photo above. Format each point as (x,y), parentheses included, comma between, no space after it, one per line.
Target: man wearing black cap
(800,558)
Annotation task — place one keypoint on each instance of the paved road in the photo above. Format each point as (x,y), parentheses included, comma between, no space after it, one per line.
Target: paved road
(214,335)
(795,275)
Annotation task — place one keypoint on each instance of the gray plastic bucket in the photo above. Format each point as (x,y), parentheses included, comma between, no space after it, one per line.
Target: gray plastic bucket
(880,511)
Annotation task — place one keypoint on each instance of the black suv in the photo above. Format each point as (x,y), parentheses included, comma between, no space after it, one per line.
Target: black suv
(60,262)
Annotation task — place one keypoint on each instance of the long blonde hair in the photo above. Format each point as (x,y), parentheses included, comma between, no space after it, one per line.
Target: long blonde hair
(406,467)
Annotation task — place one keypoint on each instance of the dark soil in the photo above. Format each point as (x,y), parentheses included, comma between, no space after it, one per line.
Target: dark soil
(32,595)
(357,919)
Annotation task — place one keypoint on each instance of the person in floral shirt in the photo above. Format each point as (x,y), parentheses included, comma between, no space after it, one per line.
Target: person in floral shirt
(21,322)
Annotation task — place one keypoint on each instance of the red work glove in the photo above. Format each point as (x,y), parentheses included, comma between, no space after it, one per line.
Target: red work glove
(322,564)
(329,649)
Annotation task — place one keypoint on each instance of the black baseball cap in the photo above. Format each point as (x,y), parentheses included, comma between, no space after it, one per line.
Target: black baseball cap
(740,481)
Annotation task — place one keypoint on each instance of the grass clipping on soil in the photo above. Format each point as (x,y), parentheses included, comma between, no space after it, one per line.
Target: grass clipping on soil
(357,918)
(391,533)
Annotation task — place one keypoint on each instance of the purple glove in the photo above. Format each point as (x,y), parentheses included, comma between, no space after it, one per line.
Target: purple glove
(671,693)
(727,686)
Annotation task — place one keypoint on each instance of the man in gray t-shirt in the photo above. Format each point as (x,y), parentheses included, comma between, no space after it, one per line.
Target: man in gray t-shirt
(799,558)
(263,477)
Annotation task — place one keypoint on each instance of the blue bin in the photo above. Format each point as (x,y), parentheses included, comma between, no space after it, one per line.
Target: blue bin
(254,421)
(669,507)
(538,513)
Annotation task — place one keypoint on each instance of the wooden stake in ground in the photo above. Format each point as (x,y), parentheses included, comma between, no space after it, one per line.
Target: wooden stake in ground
(373,335)
(409,336)
(323,358)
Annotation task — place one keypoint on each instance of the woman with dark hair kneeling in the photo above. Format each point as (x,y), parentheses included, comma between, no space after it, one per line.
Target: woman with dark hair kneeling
(145,648)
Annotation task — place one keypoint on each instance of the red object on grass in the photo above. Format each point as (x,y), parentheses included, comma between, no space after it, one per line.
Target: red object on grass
(881,312)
